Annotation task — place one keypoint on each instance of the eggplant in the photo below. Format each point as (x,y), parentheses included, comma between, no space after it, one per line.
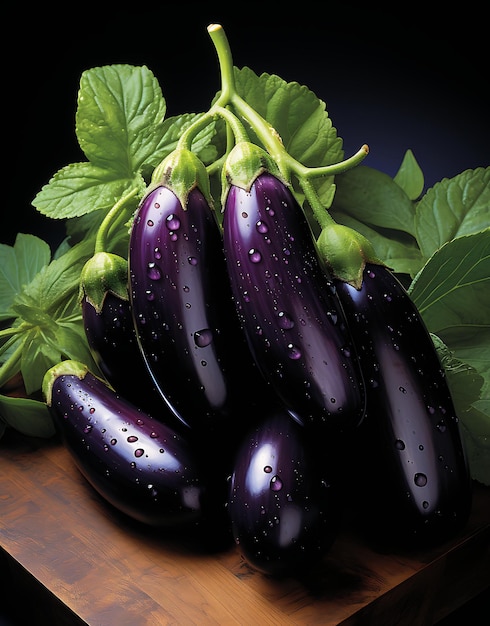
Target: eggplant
(136,463)
(114,347)
(287,305)
(185,321)
(111,336)
(283,505)
(408,462)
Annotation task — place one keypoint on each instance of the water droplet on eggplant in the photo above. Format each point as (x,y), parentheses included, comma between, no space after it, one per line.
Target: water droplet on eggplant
(154,272)
(420,479)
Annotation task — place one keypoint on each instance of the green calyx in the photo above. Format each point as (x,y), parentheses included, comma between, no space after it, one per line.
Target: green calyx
(104,273)
(346,253)
(64,368)
(245,162)
(181,172)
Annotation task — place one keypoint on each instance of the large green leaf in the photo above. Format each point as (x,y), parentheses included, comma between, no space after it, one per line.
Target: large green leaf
(475,430)
(51,316)
(452,291)
(299,117)
(18,266)
(29,417)
(452,208)
(296,113)
(119,108)
(80,188)
(373,198)
(53,285)
(472,405)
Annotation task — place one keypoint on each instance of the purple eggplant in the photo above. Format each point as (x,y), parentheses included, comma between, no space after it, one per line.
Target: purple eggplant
(289,311)
(284,510)
(138,464)
(111,336)
(113,344)
(184,316)
(407,458)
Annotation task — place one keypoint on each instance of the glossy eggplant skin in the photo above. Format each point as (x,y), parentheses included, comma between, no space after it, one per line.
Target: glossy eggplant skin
(138,464)
(408,461)
(283,507)
(184,316)
(288,308)
(114,347)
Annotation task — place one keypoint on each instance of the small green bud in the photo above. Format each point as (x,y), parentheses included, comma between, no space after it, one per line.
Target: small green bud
(104,272)
(346,253)
(181,172)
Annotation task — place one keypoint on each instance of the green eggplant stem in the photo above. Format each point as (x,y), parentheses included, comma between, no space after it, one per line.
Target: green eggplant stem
(321,214)
(268,135)
(101,239)
(229,95)
(225,60)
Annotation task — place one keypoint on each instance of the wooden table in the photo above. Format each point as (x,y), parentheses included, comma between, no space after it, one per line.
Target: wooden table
(77,561)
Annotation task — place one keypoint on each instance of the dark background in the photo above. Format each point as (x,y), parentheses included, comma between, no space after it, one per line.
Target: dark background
(408,79)
(395,77)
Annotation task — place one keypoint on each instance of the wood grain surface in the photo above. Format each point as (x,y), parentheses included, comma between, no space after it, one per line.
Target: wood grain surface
(75,560)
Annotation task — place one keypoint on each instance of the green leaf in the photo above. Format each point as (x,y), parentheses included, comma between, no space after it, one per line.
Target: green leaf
(50,317)
(452,208)
(18,266)
(473,347)
(171,130)
(477,422)
(119,126)
(11,355)
(410,177)
(52,286)
(299,117)
(467,387)
(296,113)
(29,417)
(119,109)
(464,380)
(80,188)
(452,291)
(475,431)
(45,347)
(373,198)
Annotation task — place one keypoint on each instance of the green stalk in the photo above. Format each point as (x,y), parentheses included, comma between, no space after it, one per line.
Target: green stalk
(268,135)
(11,365)
(331,170)
(229,95)
(287,165)
(231,137)
(306,174)
(102,233)
(320,213)
(9,332)
(185,140)
(225,61)
(233,123)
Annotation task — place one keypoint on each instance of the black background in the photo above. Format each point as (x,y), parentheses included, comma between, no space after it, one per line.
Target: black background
(410,78)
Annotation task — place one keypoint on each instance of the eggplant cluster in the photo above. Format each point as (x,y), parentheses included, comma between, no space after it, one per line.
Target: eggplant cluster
(282,393)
